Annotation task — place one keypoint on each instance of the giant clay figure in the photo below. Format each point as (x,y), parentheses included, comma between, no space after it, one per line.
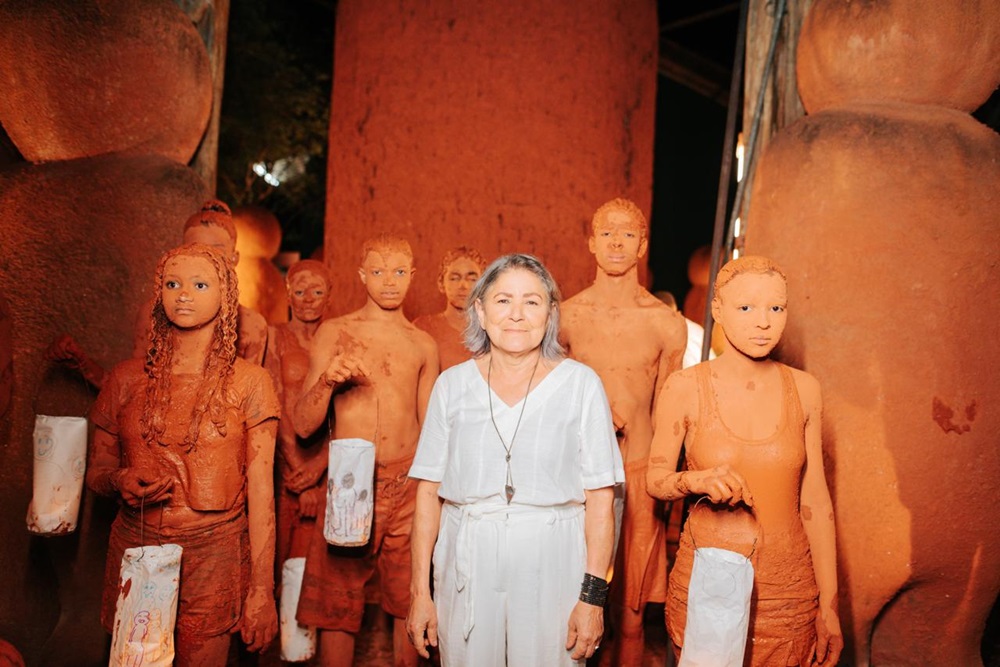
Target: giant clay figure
(378,369)
(751,431)
(460,269)
(299,495)
(594,324)
(212,225)
(185,440)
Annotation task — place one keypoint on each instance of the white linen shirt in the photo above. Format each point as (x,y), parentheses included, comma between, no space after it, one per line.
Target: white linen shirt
(565,444)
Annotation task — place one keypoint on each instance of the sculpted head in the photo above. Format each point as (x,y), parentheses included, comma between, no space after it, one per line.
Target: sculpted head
(514,304)
(195,285)
(750,303)
(618,236)
(308,285)
(213,225)
(460,269)
(386,269)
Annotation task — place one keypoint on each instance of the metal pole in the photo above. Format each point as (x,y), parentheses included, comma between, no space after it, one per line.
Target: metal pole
(725,174)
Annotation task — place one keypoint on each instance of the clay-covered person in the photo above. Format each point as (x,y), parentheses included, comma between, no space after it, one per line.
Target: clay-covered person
(211,225)
(378,369)
(751,430)
(634,342)
(460,269)
(185,440)
(517,465)
(301,462)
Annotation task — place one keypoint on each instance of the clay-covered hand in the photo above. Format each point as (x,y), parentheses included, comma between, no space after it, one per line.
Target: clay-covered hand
(721,484)
(829,639)
(64,349)
(586,627)
(138,487)
(306,475)
(346,367)
(422,625)
(310,501)
(260,619)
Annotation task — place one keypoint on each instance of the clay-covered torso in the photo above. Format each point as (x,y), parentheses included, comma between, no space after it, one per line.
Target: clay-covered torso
(211,475)
(783,608)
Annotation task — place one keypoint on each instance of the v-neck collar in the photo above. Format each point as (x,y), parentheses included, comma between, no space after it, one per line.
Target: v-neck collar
(500,405)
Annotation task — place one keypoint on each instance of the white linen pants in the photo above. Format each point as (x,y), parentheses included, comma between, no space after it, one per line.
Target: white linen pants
(506,578)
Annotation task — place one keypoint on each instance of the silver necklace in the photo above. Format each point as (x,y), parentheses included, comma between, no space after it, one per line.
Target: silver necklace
(508,488)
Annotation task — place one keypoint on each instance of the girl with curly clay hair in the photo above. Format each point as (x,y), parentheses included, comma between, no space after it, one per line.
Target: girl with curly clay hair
(185,440)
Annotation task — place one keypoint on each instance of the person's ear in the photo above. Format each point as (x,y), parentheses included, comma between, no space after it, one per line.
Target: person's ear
(643,245)
(361,274)
(480,312)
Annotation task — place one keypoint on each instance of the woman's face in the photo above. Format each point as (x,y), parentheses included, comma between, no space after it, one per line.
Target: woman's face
(307,295)
(515,311)
(751,310)
(190,291)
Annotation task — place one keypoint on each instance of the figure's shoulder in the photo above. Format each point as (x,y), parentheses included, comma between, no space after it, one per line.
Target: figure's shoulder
(582,300)
(684,381)
(128,371)
(806,385)
(427,322)
(251,320)
(248,372)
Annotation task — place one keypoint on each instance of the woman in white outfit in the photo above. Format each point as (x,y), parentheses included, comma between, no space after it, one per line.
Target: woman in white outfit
(517,461)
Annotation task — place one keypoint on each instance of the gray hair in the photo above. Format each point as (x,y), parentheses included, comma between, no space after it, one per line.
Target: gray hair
(476,339)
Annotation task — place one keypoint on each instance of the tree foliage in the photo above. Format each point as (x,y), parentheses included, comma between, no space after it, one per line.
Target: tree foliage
(275,105)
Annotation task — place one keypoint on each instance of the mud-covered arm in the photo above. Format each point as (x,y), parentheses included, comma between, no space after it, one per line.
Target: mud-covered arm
(65,350)
(816,509)
(260,620)
(673,343)
(311,408)
(428,375)
(670,426)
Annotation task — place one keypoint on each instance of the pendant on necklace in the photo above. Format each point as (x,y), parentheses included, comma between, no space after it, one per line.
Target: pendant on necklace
(509,490)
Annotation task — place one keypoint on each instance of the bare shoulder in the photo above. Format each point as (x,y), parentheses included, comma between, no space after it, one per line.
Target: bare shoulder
(808,388)
(581,300)
(681,388)
(328,332)
(251,320)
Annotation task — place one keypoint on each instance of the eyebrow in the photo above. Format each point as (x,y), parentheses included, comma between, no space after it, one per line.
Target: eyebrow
(527,294)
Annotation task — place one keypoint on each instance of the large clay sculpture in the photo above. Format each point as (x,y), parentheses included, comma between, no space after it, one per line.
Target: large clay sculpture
(883,203)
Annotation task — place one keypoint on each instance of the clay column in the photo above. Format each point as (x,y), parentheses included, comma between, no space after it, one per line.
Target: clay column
(882,205)
(498,125)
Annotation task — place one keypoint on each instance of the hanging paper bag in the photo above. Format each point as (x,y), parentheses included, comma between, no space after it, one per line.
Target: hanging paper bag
(718,611)
(349,500)
(60,453)
(718,606)
(146,610)
(298,643)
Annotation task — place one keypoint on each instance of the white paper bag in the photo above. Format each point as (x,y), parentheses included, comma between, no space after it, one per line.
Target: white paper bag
(60,455)
(718,609)
(146,611)
(349,498)
(298,643)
